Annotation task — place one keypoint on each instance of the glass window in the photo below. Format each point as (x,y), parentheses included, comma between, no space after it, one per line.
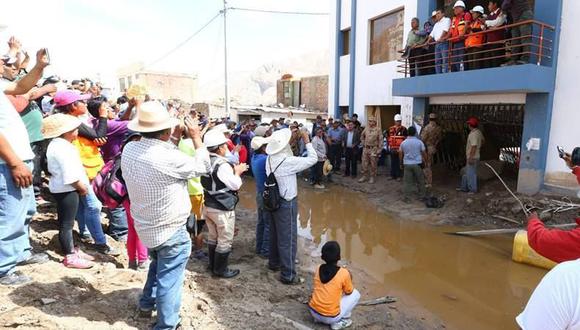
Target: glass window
(386,37)
(345,42)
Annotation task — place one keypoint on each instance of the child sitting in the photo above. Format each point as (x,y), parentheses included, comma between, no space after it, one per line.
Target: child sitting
(68,182)
(333,296)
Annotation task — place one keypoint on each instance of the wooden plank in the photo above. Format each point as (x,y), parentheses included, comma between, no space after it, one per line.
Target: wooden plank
(487,232)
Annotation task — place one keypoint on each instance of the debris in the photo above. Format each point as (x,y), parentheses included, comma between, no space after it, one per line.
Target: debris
(487,232)
(545,215)
(378,301)
(526,212)
(47,301)
(295,324)
(507,219)
(450,297)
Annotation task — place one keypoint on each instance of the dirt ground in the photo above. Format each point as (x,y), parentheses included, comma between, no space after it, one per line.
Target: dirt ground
(460,209)
(105,297)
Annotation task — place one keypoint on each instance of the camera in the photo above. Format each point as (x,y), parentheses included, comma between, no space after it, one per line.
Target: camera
(574,156)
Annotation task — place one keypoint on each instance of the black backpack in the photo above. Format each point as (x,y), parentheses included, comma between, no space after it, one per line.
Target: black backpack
(271,195)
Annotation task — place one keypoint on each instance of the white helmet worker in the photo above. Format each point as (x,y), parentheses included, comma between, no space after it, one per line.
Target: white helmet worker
(459,4)
(398,117)
(478,9)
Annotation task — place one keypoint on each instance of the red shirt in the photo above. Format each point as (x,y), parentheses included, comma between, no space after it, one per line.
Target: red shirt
(554,244)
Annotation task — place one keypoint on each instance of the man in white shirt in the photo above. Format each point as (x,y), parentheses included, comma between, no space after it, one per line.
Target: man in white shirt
(284,225)
(555,303)
(17,203)
(440,34)
(220,187)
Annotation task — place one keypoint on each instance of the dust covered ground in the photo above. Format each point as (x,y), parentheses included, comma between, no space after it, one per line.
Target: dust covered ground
(105,297)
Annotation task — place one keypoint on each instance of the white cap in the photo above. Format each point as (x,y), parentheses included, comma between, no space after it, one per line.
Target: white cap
(478,9)
(258,142)
(434,13)
(459,4)
(398,117)
(214,138)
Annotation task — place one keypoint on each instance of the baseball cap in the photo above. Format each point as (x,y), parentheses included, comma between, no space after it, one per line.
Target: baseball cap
(67,97)
(434,13)
(473,121)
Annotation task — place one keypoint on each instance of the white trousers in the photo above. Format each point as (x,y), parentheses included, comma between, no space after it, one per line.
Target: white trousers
(347,304)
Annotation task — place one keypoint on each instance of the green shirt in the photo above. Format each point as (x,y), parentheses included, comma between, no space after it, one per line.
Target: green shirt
(33,122)
(194,186)
(413,39)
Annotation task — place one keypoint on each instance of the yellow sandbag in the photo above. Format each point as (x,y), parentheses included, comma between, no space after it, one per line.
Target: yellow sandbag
(523,252)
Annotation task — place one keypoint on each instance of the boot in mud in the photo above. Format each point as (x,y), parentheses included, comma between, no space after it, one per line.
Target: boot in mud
(211,256)
(221,269)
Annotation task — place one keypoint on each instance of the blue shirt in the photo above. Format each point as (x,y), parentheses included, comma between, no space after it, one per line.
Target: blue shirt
(259,171)
(336,135)
(412,148)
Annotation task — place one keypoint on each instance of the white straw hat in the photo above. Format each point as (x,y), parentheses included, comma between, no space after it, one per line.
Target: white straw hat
(214,138)
(278,141)
(258,142)
(58,124)
(152,117)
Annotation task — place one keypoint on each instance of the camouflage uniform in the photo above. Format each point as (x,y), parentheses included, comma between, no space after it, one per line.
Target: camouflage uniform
(432,134)
(372,140)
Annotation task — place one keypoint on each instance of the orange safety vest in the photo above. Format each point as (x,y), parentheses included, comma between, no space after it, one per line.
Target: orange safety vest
(90,156)
(475,40)
(458,26)
(396,137)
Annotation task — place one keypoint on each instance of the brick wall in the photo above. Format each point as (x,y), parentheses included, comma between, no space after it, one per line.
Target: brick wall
(314,92)
(167,86)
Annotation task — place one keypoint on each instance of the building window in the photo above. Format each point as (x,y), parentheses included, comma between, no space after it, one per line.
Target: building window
(345,42)
(386,37)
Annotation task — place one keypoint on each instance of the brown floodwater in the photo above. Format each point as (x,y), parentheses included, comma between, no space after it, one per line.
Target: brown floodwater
(469,283)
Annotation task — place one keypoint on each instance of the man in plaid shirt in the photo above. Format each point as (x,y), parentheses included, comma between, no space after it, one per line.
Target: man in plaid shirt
(156,175)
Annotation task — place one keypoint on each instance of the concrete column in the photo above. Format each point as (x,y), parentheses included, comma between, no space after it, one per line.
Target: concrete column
(537,119)
(338,52)
(420,109)
(352,47)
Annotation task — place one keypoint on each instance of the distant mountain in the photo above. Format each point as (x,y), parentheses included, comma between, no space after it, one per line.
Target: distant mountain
(259,86)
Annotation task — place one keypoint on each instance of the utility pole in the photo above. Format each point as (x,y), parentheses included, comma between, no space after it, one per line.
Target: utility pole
(227,92)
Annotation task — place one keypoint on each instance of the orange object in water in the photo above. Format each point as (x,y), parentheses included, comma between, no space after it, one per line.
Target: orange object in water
(524,253)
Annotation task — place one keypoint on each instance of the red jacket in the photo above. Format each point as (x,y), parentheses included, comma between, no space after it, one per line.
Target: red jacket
(554,244)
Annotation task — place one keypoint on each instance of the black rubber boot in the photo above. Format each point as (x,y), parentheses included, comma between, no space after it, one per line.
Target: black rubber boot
(211,256)
(221,269)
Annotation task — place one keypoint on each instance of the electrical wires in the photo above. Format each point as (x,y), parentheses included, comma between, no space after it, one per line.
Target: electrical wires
(278,11)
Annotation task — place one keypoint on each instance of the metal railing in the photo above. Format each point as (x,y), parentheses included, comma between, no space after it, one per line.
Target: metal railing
(537,46)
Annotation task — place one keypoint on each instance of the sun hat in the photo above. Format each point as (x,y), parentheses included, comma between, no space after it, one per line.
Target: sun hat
(258,142)
(214,138)
(66,97)
(478,9)
(327,168)
(278,141)
(152,117)
(398,117)
(222,128)
(261,130)
(58,124)
(459,4)
(434,13)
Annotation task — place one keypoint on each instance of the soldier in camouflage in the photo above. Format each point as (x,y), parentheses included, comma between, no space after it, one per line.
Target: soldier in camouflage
(372,141)
(432,134)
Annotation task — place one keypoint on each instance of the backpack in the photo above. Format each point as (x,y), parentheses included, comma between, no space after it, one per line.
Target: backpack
(271,195)
(109,185)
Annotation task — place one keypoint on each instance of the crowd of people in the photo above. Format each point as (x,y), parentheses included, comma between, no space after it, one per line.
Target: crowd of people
(470,40)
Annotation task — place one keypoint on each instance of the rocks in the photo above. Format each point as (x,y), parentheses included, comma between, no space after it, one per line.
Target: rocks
(47,301)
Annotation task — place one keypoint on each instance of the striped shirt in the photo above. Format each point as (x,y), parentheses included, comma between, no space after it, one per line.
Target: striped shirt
(156,174)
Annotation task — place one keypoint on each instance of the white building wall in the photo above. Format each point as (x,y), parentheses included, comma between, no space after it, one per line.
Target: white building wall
(565,130)
(373,83)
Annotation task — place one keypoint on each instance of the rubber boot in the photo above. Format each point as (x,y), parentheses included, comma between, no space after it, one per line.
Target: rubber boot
(211,256)
(220,268)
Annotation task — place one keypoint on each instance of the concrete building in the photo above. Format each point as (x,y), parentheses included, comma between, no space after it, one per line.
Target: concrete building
(161,85)
(312,92)
(525,109)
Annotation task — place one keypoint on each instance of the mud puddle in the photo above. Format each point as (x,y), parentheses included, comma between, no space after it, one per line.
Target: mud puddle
(468,283)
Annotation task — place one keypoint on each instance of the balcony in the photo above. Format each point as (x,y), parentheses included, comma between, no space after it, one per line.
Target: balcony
(482,73)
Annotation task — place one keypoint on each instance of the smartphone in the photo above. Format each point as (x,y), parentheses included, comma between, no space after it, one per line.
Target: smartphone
(47,55)
(561,152)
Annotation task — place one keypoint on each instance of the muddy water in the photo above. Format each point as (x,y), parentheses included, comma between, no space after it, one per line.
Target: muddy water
(468,283)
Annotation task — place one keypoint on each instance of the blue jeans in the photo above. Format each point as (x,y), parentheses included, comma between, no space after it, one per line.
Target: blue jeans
(89,216)
(262,228)
(165,279)
(118,227)
(458,54)
(17,206)
(283,238)
(441,53)
(469,179)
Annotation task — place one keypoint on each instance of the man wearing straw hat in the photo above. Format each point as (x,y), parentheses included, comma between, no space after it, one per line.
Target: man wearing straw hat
(156,174)
(283,227)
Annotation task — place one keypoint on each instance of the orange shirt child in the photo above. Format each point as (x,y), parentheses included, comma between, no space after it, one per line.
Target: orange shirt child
(326,296)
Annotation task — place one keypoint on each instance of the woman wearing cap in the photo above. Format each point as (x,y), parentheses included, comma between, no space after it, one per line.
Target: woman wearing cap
(74,104)
(475,40)
(333,295)
(68,182)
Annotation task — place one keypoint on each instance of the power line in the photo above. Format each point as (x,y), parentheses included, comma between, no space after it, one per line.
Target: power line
(181,44)
(279,12)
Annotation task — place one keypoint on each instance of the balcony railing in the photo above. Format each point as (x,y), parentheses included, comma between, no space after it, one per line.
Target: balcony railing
(537,46)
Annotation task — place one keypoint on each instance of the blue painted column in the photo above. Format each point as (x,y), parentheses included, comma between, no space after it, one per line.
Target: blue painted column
(420,109)
(352,47)
(338,53)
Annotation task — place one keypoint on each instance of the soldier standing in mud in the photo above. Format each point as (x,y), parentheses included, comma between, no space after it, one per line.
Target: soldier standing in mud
(372,140)
(431,135)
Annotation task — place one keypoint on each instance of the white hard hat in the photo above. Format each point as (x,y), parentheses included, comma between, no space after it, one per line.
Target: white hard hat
(459,4)
(214,138)
(398,117)
(478,9)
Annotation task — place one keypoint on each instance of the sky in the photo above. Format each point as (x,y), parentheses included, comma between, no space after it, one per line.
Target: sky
(95,38)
